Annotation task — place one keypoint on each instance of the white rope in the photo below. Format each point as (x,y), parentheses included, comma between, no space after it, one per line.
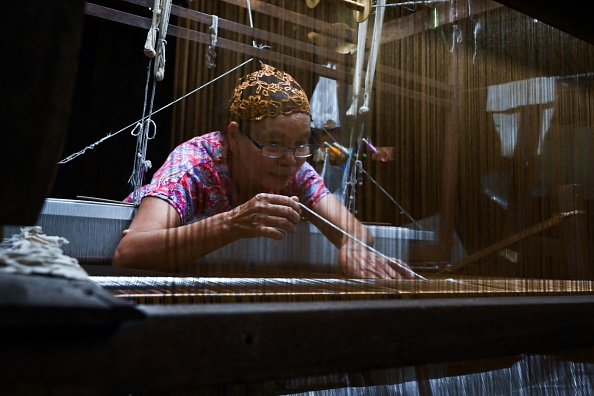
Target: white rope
(109,135)
(151,37)
(364,109)
(249,6)
(141,165)
(361,38)
(214,33)
(161,42)
(351,113)
(456,37)
(373,52)
(390,259)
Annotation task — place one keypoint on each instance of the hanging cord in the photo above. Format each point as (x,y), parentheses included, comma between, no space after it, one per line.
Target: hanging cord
(361,38)
(364,109)
(402,211)
(153,47)
(390,259)
(373,150)
(92,146)
(373,52)
(456,37)
(475,30)
(141,165)
(249,6)
(151,37)
(161,13)
(214,33)
(351,113)
(254,44)
(161,42)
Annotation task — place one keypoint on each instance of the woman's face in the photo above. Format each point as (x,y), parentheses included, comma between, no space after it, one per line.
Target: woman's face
(258,172)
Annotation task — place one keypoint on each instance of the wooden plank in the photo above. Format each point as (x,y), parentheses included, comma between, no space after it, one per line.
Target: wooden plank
(187,346)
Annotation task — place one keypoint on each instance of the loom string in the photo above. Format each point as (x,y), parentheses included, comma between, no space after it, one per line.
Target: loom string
(214,33)
(141,165)
(93,145)
(351,113)
(109,135)
(161,42)
(402,210)
(354,238)
(364,108)
(161,13)
(151,37)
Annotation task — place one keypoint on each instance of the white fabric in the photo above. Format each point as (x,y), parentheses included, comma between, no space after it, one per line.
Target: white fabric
(502,97)
(324,104)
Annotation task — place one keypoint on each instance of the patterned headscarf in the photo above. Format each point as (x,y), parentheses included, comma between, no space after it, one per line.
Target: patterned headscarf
(268,92)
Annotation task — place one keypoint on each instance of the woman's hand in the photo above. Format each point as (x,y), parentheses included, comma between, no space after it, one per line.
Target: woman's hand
(357,261)
(265,215)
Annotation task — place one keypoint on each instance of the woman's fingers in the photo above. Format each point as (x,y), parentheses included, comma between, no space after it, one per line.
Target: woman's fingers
(266,215)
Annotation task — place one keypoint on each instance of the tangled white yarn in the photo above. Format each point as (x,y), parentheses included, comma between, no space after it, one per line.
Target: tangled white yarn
(33,253)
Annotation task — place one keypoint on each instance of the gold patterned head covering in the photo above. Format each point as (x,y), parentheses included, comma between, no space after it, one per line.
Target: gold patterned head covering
(267,92)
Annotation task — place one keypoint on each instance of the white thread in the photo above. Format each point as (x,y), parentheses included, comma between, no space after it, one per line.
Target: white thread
(390,259)
(477,27)
(361,37)
(93,145)
(402,211)
(151,37)
(214,32)
(249,5)
(142,137)
(456,37)
(373,52)
(161,42)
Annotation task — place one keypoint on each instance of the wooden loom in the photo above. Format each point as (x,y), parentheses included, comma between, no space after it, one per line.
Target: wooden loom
(120,348)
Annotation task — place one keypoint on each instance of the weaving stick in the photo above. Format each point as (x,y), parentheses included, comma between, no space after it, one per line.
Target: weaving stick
(390,259)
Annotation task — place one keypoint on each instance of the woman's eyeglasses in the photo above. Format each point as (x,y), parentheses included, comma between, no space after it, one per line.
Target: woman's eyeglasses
(279,151)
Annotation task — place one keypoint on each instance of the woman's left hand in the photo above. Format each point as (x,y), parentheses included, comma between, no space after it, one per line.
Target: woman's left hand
(359,262)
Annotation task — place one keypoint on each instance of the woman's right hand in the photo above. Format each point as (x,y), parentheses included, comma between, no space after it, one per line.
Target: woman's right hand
(265,215)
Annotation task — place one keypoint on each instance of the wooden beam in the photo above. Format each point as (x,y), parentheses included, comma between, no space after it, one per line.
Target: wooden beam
(203,38)
(448,13)
(341,73)
(181,347)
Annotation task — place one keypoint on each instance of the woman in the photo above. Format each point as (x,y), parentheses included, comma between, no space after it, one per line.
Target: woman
(250,181)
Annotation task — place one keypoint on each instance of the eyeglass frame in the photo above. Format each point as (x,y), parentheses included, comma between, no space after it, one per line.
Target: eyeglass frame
(312,147)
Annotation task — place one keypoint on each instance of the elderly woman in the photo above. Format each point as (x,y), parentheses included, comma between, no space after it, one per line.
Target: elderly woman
(250,181)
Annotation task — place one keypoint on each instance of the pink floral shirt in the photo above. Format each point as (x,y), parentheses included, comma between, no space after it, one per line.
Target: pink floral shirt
(196,181)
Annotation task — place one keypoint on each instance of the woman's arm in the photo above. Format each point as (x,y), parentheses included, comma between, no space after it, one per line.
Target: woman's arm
(355,259)
(156,241)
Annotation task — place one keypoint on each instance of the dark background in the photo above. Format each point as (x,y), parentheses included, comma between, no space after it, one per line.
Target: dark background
(108,96)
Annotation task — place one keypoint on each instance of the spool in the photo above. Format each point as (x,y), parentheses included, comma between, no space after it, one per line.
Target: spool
(361,9)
